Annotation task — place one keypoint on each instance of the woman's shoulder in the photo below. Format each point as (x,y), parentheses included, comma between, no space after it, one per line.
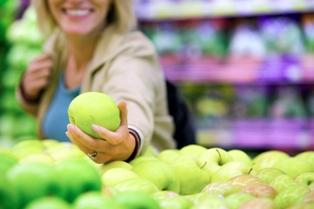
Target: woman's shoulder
(137,43)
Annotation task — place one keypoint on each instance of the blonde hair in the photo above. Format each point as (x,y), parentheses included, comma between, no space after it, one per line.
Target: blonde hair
(120,15)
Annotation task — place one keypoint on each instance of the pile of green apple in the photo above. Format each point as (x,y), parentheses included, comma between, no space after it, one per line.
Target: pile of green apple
(48,174)
(25,43)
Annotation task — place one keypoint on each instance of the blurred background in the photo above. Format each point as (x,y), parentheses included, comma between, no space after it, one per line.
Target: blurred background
(244,67)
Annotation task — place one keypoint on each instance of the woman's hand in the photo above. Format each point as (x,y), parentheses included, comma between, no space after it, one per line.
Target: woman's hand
(117,145)
(37,76)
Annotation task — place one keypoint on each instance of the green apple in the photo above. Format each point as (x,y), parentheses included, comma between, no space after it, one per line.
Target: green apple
(213,159)
(116,175)
(49,143)
(135,184)
(136,200)
(253,185)
(230,170)
(64,151)
(239,155)
(33,180)
(258,203)
(95,200)
(150,151)
(141,159)
(171,200)
(267,175)
(268,159)
(307,156)
(293,166)
(94,108)
(192,151)
(206,201)
(158,172)
(302,206)
(178,202)
(8,194)
(49,203)
(282,182)
(114,164)
(290,196)
(187,171)
(7,160)
(169,155)
(235,200)
(306,179)
(77,176)
(27,147)
(221,188)
(38,157)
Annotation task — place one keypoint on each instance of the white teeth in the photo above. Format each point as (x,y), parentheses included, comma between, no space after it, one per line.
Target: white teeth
(77,12)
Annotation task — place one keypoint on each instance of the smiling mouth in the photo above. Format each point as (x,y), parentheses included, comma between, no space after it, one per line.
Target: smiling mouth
(77,12)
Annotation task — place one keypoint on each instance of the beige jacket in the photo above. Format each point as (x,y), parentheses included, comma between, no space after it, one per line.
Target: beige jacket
(125,66)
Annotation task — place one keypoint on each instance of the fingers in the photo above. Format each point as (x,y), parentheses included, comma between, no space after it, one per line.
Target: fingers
(123,113)
(87,141)
(100,156)
(121,133)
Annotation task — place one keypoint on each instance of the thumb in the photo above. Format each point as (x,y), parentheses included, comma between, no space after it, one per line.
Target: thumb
(123,113)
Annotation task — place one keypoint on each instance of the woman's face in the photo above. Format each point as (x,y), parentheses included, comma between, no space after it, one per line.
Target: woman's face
(80,17)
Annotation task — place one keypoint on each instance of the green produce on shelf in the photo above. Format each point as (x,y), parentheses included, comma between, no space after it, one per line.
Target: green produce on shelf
(76,181)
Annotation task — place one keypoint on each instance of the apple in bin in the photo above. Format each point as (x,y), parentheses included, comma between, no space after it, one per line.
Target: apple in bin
(307,156)
(171,200)
(213,159)
(290,196)
(258,203)
(9,198)
(95,200)
(114,164)
(293,166)
(306,179)
(27,147)
(282,182)
(267,175)
(49,203)
(134,184)
(192,151)
(235,200)
(268,159)
(136,200)
(117,175)
(209,201)
(230,170)
(158,172)
(33,180)
(7,160)
(253,186)
(191,177)
(239,155)
(94,108)
(169,155)
(76,176)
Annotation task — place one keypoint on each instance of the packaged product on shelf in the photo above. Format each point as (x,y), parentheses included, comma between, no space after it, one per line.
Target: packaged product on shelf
(287,103)
(249,102)
(282,35)
(247,41)
(308,28)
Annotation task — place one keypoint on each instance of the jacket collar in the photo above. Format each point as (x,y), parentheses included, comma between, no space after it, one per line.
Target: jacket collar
(106,49)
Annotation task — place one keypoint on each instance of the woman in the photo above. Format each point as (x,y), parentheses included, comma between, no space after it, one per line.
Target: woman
(93,46)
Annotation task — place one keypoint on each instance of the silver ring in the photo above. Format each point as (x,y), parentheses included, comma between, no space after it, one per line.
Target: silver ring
(92,155)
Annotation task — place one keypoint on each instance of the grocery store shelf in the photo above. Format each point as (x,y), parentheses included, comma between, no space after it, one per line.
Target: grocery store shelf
(241,71)
(259,134)
(166,9)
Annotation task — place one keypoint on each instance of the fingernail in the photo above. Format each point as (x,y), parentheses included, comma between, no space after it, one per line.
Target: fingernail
(95,127)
